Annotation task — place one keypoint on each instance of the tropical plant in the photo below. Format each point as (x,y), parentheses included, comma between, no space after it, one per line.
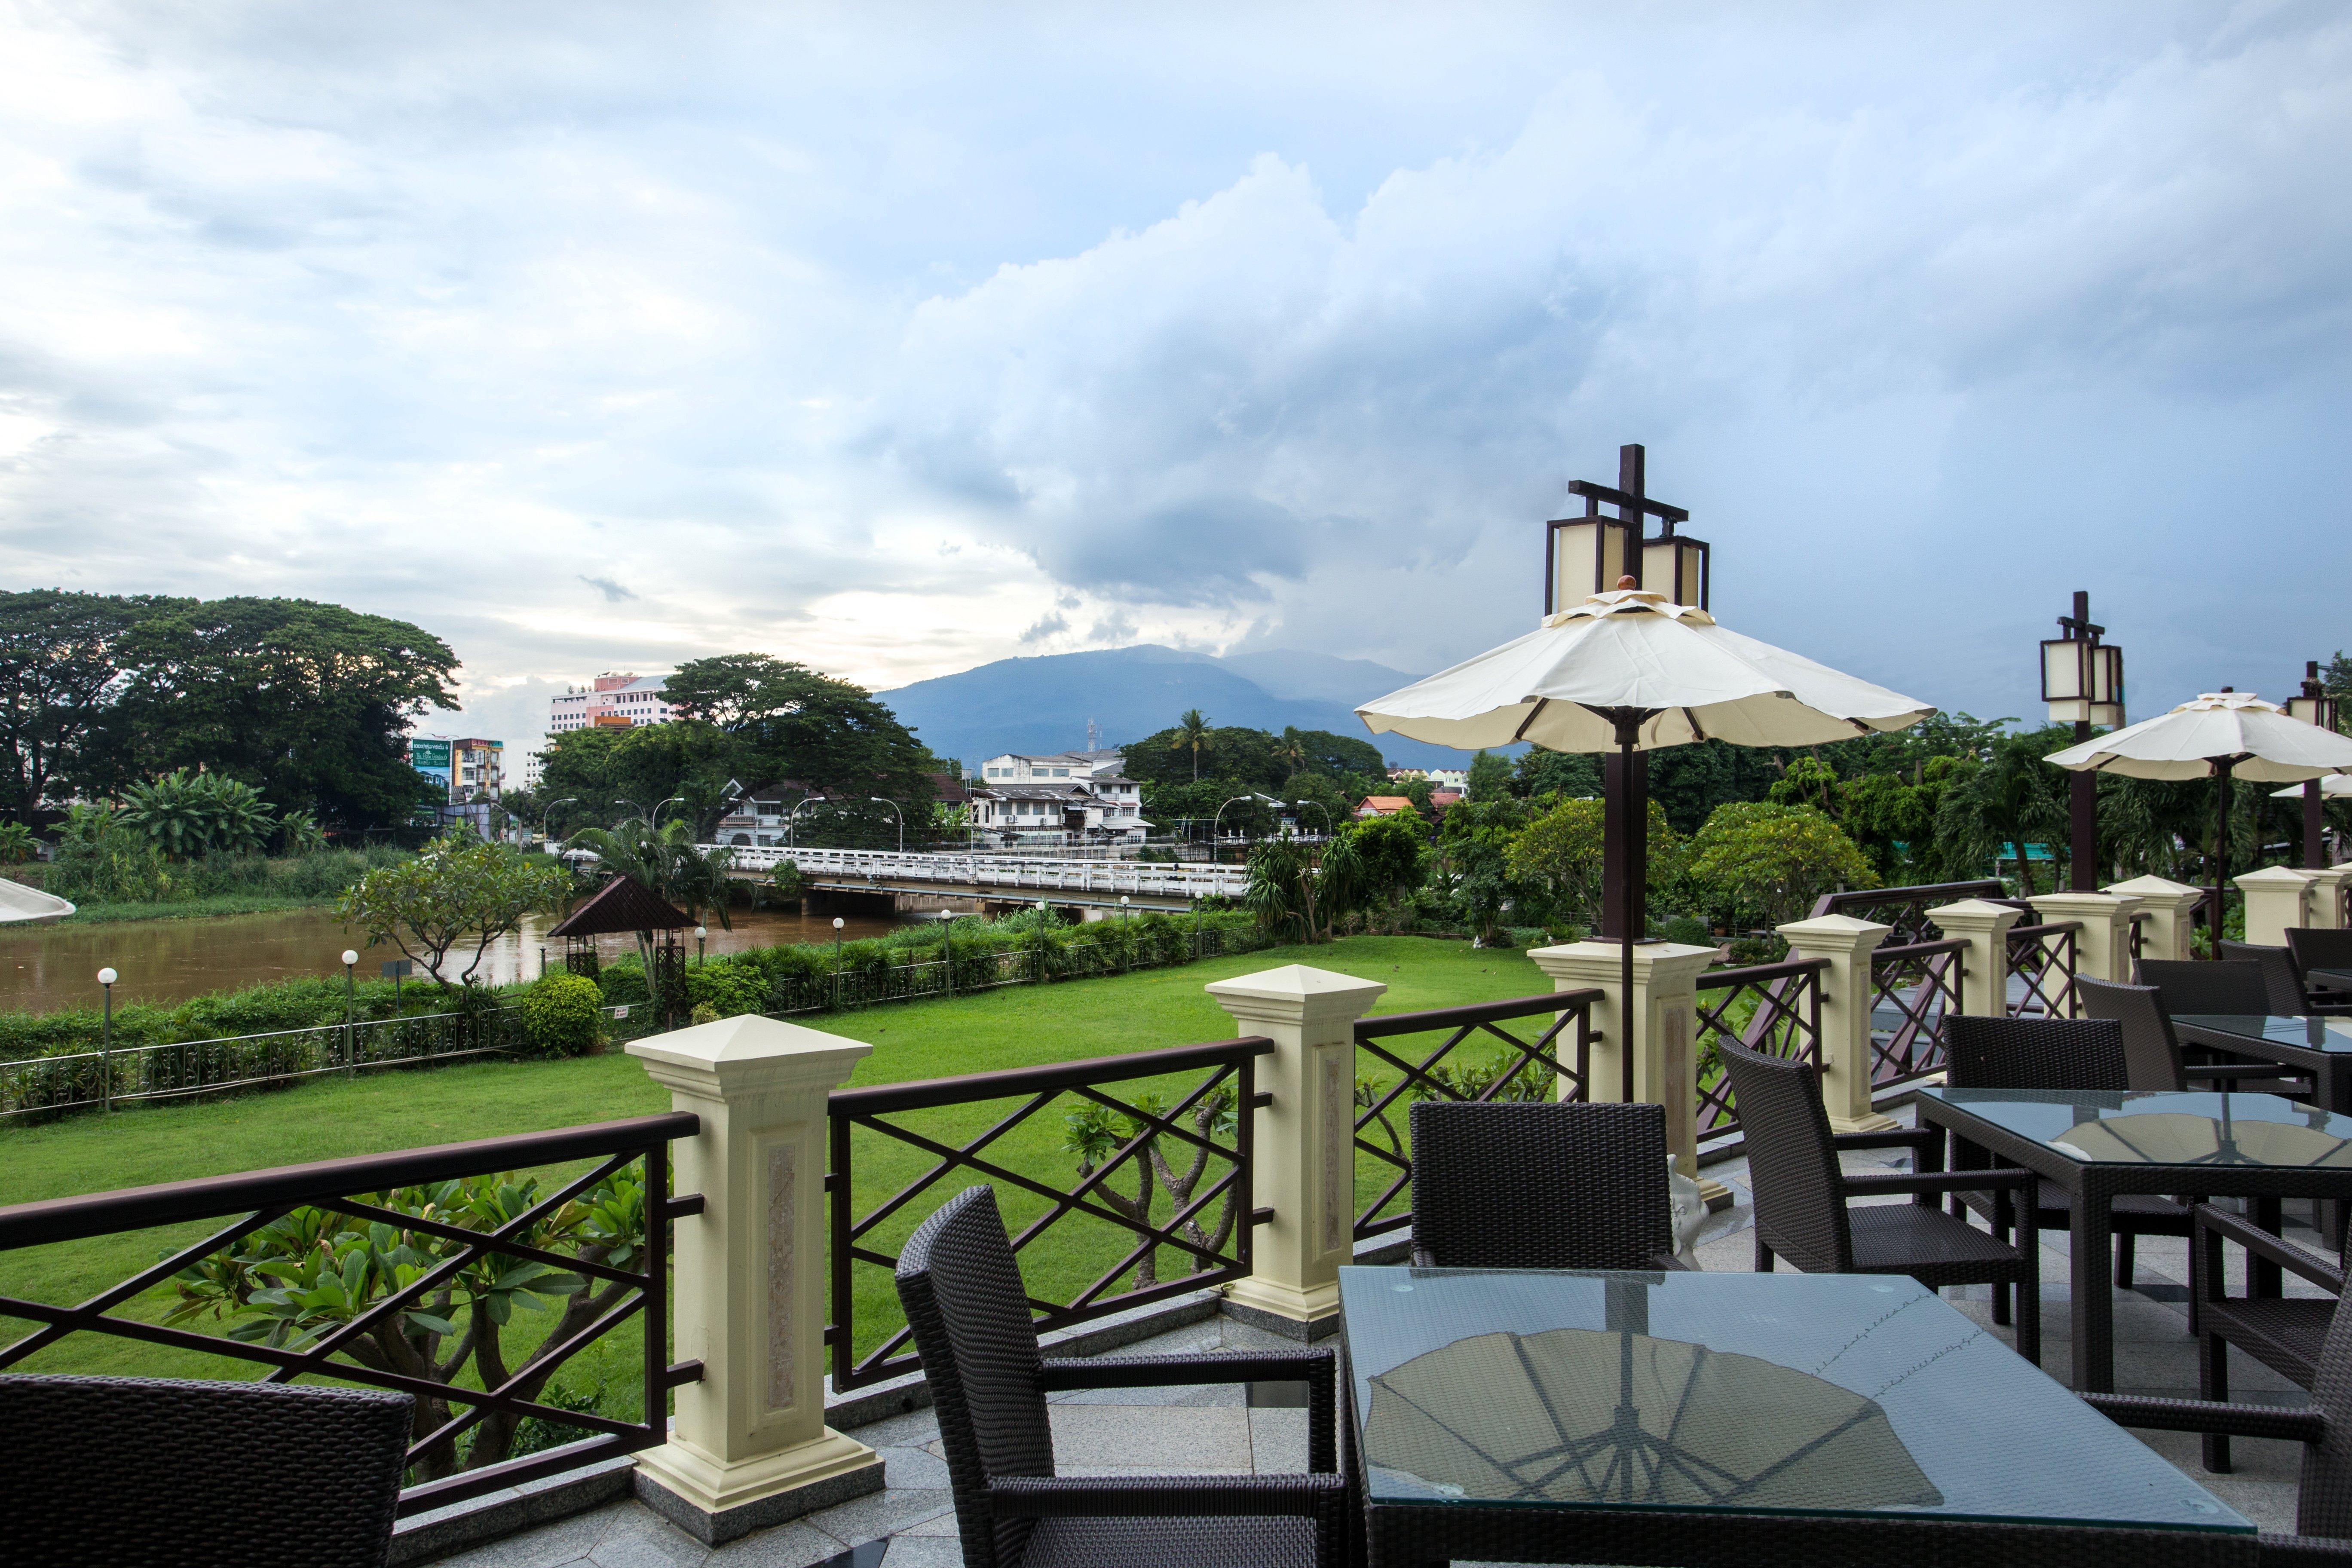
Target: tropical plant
(16,844)
(1774,859)
(1562,849)
(1294,896)
(188,814)
(666,861)
(457,887)
(1098,1136)
(102,859)
(299,833)
(301,1278)
(1193,735)
(2010,800)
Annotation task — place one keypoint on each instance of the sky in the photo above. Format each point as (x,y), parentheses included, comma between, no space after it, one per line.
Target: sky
(899,339)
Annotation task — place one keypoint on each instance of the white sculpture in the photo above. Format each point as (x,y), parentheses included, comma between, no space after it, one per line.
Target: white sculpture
(1690,1211)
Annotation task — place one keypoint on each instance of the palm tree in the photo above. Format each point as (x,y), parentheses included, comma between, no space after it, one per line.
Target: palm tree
(666,863)
(1292,748)
(1192,734)
(2008,799)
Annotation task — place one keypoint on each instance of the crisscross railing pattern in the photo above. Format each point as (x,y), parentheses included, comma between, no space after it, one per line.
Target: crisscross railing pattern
(1530,1066)
(1912,989)
(1072,1181)
(613,1271)
(2042,956)
(1905,909)
(1775,1008)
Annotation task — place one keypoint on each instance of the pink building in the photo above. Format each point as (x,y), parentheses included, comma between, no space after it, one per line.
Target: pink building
(614,701)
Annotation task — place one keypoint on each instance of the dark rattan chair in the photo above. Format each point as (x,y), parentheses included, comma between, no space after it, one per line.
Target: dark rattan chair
(2316,947)
(2323,1512)
(2203,985)
(1801,1196)
(118,1470)
(970,1313)
(2152,1052)
(2063,1054)
(1539,1185)
(2282,976)
(2285,1334)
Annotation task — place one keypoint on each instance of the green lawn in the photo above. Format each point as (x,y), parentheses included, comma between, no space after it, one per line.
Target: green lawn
(93,914)
(1011,1028)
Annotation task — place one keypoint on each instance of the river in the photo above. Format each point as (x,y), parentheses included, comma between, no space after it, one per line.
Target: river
(43,968)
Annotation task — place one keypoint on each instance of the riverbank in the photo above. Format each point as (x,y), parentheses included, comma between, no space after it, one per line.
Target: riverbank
(213,908)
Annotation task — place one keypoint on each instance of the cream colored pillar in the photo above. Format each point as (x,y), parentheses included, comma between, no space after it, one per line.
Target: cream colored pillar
(2170,907)
(750,1447)
(1984,967)
(2327,896)
(2276,898)
(1666,1059)
(1305,1142)
(2102,947)
(1847,993)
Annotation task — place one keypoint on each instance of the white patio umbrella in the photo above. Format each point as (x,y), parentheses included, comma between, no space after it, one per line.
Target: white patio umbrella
(1631,671)
(2335,786)
(2219,735)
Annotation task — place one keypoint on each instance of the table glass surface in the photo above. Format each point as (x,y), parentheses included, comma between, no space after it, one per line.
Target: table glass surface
(2310,1034)
(1780,1394)
(2184,1129)
(2339,977)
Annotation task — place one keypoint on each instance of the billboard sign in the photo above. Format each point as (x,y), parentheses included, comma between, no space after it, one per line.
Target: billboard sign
(432,758)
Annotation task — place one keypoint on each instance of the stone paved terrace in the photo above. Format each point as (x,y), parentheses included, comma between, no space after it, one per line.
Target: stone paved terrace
(911,1524)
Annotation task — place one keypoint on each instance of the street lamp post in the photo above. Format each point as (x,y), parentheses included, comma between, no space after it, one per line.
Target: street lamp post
(350,1003)
(659,810)
(902,819)
(624,800)
(2313,707)
(545,812)
(2082,680)
(836,963)
(700,932)
(1042,915)
(1127,951)
(1324,810)
(792,818)
(1216,826)
(106,979)
(947,946)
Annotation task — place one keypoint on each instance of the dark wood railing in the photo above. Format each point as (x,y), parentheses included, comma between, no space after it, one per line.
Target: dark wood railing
(1086,1234)
(2044,957)
(1775,1008)
(1919,982)
(1530,1066)
(1905,909)
(380,1203)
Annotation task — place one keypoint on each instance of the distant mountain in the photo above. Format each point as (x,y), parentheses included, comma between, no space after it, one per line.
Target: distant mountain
(1043,704)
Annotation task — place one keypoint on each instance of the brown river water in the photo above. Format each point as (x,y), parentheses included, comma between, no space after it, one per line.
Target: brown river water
(43,968)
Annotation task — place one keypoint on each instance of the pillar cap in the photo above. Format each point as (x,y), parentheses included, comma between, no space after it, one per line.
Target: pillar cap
(2087,903)
(2154,888)
(1975,912)
(1298,989)
(1836,932)
(1597,963)
(748,1053)
(2273,877)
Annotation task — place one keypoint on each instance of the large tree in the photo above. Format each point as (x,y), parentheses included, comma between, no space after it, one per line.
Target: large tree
(307,703)
(60,660)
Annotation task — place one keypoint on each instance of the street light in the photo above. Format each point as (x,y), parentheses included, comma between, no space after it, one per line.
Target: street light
(1323,809)
(2081,680)
(107,977)
(902,819)
(836,964)
(793,815)
(350,999)
(657,810)
(2313,707)
(547,810)
(699,932)
(1216,826)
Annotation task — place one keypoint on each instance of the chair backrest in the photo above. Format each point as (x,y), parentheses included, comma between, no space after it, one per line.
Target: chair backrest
(1792,1166)
(2200,985)
(2317,947)
(2151,1051)
(2324,1507)
(2282,977)
(2035,1053)
(240,1472)
(1539,1185)
(970,1314)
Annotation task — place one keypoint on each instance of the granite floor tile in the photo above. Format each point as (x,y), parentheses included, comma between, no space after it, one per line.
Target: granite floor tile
(639,1538)
(924,1552)
(879,1514)
(912,1467)
(1278,1442)
(796,1544)
(566,1541)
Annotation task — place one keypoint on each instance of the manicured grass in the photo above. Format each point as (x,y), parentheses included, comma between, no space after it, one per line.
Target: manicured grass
(93,914)
(1010,1028)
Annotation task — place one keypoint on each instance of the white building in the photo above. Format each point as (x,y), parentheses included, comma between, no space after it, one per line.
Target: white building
(1071,795)
(613,702)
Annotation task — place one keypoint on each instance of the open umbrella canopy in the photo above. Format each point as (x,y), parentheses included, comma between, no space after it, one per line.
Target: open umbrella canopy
(1561,685)
(2236,729)
(2335,786)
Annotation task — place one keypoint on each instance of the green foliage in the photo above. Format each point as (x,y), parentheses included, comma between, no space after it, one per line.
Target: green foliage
(15,844)
(1490,776)
(1474,842)
(1395,854)
(560,1017)
(1774,860)
(729,988)
(1562,849)
(665,862)
(101,857)
(2003,802)
(1541,773)
(455,888)
(1295,895)
(60,656)
(298,834)
(188,815)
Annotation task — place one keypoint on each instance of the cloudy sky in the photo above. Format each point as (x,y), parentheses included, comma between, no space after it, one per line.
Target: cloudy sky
(899,339)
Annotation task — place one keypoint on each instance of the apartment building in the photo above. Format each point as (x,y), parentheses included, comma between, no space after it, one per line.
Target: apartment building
(614,701)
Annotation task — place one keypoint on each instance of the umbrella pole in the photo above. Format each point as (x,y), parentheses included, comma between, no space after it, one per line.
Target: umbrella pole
(1636,820)
(2220,847)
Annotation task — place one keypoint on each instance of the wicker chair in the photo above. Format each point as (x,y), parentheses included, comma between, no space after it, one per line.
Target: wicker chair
(2282,976)
(233,1473)
(2152,1052)
(2323,948)
(2191,985)
(2323,1512)
(2285,1334)
(1537,1185)
(1801,1197)
(970,1314)
(2062,1054)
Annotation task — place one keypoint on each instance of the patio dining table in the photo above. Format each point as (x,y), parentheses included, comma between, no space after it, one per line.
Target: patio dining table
(2320,1047)
(2101,1145)
(1529,1415)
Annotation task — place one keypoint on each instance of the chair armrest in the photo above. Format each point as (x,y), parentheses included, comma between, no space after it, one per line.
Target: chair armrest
(1670,1262)
(2265,1246)
(2302,1426)
(1938,1182)
(1125,1497)
(1318,1369)
(2282,1551)
(2243,1070)
(1893,1138)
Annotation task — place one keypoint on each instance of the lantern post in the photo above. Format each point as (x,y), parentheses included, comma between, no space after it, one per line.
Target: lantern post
(2081,680)
(2313,707)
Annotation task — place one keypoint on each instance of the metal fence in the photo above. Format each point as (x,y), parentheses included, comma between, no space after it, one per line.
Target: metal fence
(1033,963)
(80,1079)
(1775,1008)
(596,1246)
(1530,1065)
(1157,1168)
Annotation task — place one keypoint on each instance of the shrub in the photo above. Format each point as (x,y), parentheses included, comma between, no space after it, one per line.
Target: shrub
(727,989)
(560,1016)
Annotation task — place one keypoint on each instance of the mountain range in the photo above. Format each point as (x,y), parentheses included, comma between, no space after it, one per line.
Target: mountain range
(1043,704)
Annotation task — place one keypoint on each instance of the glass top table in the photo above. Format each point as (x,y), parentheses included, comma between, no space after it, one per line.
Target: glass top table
(2311,1033)
(2119,1128)
(1726,1395)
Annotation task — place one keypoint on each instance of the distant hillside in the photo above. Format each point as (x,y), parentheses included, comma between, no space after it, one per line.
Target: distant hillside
(1043,704)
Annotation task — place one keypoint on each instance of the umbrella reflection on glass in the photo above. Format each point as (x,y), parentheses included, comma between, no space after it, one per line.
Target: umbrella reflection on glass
(1614,1415)
(2181,1138)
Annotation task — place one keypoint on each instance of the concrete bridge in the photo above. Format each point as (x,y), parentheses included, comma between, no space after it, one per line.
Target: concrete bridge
(861,874)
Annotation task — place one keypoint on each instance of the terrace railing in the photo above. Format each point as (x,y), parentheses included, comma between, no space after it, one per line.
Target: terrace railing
(372,1210)
(1905,909)
(1101,1182)
(1912,989)
(2044,957)
(1775,1008)
(1530,1065)
(81,1080)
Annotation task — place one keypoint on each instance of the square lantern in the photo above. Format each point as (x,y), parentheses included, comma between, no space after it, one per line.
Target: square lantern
(1676,567)
(2083,681)
(2320,710)
(1588,556)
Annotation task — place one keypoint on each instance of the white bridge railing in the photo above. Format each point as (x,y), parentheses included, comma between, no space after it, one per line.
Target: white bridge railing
(881,868)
